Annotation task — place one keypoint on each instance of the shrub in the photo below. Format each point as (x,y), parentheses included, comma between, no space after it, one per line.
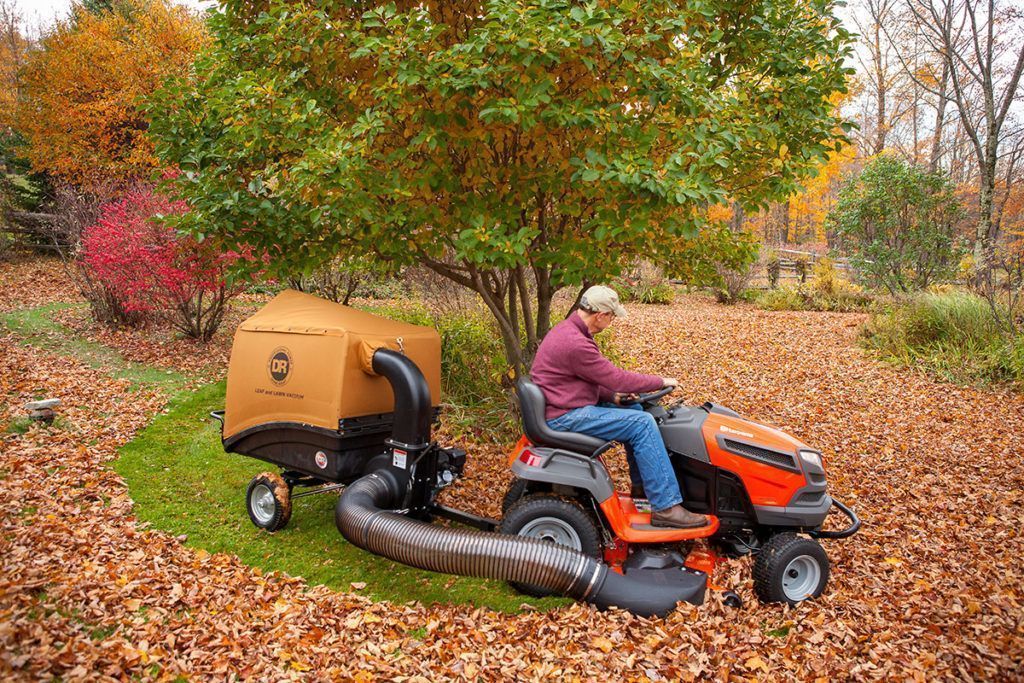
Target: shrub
(644,283)
(732,284)
(784,298)
(147,268)
(351,275)
(953,334)
(648,293)
(899,222)
(825,290)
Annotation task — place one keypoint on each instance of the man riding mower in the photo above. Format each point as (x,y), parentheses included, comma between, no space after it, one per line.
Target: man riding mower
(755,486)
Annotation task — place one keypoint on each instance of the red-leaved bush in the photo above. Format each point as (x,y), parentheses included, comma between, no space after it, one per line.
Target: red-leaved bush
(153,270)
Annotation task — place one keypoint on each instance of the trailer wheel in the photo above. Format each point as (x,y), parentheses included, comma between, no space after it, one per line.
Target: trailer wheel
(790,569)
(269,500)
(554,520)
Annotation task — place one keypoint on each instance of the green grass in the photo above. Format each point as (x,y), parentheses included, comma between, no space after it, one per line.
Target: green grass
(183,482)
(36,327)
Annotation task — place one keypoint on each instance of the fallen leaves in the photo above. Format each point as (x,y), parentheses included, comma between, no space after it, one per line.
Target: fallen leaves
(931,588)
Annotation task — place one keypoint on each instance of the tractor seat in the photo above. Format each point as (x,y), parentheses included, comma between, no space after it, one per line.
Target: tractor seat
(532,405)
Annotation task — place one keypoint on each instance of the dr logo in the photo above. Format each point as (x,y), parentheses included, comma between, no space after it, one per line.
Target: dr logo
(280,365)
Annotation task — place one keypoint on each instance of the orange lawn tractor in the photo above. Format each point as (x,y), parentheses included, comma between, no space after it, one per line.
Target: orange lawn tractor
(762,490)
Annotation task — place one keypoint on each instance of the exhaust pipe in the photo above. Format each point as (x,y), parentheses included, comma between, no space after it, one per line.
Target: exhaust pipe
(365,516)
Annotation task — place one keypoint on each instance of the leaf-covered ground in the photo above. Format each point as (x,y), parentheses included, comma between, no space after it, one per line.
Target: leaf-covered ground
(930,588)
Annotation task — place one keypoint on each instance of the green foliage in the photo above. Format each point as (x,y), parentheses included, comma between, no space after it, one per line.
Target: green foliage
(182,482)
(553,139)
(473,368)
(826,290)
(899,222)
(953,334)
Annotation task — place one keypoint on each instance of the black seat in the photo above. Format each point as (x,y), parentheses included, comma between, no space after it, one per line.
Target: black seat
(532,405)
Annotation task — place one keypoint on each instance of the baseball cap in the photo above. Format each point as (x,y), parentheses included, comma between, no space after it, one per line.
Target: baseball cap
(601,299)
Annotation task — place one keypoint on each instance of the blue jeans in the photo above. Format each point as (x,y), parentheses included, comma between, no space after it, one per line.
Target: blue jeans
(638,432)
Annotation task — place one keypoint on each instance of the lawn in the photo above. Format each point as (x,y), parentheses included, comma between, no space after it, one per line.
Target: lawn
(183,482)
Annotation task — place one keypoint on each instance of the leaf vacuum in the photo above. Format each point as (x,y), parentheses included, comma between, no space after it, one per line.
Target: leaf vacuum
(339,398)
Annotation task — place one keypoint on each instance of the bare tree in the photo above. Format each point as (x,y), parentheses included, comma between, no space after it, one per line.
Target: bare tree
(982,46)
(881,68)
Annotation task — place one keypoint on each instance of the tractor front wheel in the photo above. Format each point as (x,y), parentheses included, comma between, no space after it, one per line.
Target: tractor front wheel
(269,500)
(790,569)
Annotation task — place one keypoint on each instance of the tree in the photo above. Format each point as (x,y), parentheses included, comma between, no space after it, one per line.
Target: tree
(514,147)
(881,72)
(13,46)
(78,108)
(983,47)
(900,223)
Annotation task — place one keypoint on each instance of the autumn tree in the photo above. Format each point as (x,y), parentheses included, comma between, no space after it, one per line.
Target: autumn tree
(513,147)
(78,111)
(13,47)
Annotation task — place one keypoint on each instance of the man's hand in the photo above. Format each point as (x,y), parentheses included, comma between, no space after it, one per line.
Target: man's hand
(625,399)
(669,382)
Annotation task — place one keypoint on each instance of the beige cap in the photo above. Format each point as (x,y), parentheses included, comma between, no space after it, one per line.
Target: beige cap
(601,299)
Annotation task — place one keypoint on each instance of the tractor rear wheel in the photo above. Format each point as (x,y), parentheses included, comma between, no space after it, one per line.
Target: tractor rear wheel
(516,490)
(269,500)
(790,569)
(555,520)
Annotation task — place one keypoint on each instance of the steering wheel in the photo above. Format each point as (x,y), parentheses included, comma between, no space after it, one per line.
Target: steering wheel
(654,395)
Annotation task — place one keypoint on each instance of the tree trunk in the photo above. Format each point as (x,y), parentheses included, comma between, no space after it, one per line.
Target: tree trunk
(882,86)
(982,236)
(785,222)
(940,116)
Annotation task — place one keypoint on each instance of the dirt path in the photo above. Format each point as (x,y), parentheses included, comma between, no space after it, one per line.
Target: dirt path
(930,588)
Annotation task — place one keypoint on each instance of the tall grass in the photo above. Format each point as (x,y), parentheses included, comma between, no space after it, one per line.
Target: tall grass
(952,334)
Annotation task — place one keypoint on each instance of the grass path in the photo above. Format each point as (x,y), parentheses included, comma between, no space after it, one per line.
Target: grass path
(183,483)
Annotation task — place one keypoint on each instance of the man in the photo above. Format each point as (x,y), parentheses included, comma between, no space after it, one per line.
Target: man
(581,385)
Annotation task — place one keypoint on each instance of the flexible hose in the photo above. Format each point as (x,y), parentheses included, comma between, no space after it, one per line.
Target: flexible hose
(363,518)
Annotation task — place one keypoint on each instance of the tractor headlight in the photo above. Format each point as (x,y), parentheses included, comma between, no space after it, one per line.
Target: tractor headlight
(812,458)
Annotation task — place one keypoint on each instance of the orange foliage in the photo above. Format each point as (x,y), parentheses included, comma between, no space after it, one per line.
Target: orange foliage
(807,209)
(12,52)
(80,94)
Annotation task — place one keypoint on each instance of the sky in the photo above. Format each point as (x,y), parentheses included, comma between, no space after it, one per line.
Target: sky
(43,12)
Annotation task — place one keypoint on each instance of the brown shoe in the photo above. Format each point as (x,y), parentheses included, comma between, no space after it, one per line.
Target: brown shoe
(678,517)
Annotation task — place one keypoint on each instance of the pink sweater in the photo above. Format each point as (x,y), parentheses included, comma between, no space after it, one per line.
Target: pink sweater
(572,373)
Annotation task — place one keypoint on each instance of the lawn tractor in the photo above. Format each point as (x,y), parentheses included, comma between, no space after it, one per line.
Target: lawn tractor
(759,487)
(340,399)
